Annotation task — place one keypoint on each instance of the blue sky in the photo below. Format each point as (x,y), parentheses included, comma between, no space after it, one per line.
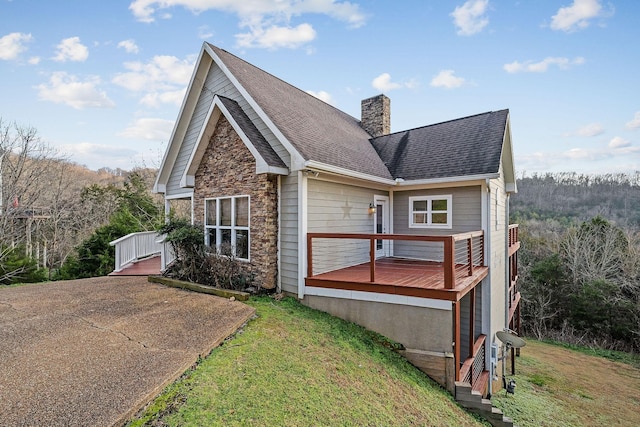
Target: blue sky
(103,81)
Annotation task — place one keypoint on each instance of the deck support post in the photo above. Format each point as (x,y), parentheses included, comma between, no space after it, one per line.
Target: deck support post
(309,255)
(472,320)
(449,263)
(456,337)
(372,259)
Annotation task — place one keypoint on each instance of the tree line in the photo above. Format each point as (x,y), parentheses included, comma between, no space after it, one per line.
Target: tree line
(579,263)
(51,210)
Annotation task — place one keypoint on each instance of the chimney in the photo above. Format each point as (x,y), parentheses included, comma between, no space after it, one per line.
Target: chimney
(376,115)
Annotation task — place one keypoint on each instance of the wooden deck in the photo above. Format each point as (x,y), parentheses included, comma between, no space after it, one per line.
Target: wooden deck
(401,277)
(145,267)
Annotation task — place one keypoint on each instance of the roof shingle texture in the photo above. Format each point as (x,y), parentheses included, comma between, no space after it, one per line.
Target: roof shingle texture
(318,131)
(259,142)
(462,147)
(322,133)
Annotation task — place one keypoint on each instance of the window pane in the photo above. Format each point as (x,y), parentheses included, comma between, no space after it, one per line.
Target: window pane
(439,218)
(242,244)
(211,237)
(420,205)
(225,242)
(225,212)
(419,218)
(242,212)
(210,206)
(439,205)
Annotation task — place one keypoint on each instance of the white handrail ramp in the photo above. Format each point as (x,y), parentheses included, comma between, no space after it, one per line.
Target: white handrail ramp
(136,246)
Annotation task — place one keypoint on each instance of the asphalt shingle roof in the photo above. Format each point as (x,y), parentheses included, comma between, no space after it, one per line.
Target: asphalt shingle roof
(322,133)
(318,131)
(462,147)
(259,142)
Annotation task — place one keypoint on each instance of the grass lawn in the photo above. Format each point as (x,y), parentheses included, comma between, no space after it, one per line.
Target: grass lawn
(559,386)
(293,366)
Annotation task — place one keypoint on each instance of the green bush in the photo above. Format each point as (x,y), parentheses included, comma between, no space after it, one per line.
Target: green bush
(195,263)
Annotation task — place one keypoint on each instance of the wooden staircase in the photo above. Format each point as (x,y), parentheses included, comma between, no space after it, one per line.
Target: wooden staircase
(473,401)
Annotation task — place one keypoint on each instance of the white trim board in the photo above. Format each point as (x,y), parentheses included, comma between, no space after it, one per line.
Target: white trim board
(376,297)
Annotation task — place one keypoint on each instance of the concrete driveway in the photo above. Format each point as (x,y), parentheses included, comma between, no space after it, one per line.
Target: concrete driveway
(94,351)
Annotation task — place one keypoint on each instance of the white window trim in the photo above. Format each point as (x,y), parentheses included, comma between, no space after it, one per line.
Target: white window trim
(429,199)
(231,227)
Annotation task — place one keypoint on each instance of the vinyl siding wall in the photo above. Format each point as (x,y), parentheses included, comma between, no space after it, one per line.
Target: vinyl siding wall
(289,233)
(339,208)
(466,213)
(215,83)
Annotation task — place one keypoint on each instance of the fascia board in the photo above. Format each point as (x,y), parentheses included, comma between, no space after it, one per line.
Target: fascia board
(447,180)
(180,126)
(311,164)
(297,161)
(507,159)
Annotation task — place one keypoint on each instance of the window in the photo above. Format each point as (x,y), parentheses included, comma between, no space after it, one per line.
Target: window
(430,212)
(226,225)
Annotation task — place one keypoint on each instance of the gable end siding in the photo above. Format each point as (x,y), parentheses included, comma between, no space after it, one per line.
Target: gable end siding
(216,82)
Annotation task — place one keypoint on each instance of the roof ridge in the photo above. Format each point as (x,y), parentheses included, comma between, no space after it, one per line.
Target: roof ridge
(441,123)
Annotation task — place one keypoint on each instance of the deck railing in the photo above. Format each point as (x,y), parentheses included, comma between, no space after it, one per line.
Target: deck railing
(514,292)
(459,254)
(473,367)
(135,246)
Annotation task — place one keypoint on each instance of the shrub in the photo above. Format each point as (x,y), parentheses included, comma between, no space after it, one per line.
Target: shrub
(194,262)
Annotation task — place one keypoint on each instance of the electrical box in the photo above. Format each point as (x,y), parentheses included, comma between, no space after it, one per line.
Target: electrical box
(494,361)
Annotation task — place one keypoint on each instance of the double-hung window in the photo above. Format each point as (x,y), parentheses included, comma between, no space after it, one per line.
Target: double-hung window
(430,211)
(227,225)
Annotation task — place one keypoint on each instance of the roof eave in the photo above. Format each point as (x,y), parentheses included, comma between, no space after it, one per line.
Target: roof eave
(319,166)
(444,180)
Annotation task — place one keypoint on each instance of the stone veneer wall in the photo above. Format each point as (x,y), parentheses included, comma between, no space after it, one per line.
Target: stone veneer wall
(228,168)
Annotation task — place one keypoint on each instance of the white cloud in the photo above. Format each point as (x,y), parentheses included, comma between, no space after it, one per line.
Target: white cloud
(267,21)
(156,99)
(635,122)
(67,89)
(542,66)
(383,83)
(149,129)
(34,60)
(276,37)
(470,17)
(71,49)
(446,79)
(204,32)
(13,44)
(129,46)
(346,11)
(619,142)
(162,80)
(322,95)
(96,156)
(592,129)
(577,16)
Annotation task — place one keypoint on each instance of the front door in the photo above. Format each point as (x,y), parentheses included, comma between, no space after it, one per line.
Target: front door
(381,224)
